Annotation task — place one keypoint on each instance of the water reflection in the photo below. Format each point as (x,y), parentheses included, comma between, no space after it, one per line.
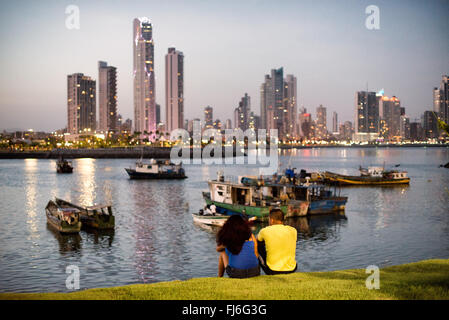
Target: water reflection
(85,168)
(157,237)
(67,242)
(31,195)
(318,227)
(103,238)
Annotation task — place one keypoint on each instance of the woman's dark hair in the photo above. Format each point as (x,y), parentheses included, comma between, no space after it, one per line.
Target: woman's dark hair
(234,233)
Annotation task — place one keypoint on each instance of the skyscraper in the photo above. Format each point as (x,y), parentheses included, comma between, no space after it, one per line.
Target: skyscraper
(277,79)
(81,106)
(290,111)
(144,80)
(107,97)
(305,124)
(266,102)
(208,117)
(174,89)
(321,123)
(429,125)
(441,99)
(390,117)
(367,112)
(334,122)
(242,113)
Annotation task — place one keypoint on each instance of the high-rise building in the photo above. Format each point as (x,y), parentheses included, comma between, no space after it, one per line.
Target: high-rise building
(144,80)
(81,104)
(334,122)
(404,127)
(290,111)
(305,124)
(346,130)
(208,117)
(107,97)
(228,124)
(278,104)
(174,89)
(429,125)
(441,99)
(266,102)
(242,113)
(367,112)
(321,123)
(390,117)
(416,131)
(277,79)
(158,113)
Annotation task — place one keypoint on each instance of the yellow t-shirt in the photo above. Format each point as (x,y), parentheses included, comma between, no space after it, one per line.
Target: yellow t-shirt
(280,244)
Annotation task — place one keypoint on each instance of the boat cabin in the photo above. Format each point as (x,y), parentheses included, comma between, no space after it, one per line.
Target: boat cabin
(157,166)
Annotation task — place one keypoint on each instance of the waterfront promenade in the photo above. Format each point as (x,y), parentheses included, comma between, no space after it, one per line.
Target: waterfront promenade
(164,152)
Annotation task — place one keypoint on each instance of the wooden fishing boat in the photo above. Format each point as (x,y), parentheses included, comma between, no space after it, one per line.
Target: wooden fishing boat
(64,220)
(370,176)
(156,169)
(212,220)
(251,198)
(64,166)
(97,216)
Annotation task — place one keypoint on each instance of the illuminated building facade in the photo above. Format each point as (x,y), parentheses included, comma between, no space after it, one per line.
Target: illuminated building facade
(81,105)
(144,80)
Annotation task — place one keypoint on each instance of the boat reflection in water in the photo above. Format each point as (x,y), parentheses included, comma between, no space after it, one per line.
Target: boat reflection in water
(67,242)
(100,237)
(319,227)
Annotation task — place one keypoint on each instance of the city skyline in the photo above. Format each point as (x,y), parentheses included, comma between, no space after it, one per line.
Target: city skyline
(328,71)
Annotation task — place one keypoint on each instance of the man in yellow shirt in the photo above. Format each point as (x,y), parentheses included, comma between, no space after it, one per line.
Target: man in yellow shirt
(279,242)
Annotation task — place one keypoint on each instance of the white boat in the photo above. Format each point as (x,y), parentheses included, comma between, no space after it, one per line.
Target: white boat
(156,169)
(216,220)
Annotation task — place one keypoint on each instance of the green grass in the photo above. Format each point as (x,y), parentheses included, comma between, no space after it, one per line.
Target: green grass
(427,279)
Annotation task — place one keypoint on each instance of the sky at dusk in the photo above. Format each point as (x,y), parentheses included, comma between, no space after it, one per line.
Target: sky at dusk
(228,46)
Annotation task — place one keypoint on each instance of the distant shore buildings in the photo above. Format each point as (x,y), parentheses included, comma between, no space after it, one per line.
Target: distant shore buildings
(377,117)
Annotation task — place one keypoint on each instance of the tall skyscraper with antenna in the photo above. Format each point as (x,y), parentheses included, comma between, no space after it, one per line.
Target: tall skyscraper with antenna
(144,80)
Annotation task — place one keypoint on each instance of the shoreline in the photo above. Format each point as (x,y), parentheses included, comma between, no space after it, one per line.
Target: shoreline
(426,279)
(164,152)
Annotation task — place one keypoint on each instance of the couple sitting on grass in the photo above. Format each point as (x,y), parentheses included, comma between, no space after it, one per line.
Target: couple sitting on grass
(241,254)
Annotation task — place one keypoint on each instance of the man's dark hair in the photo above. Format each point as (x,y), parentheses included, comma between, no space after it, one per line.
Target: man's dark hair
(234,233)
(277,214)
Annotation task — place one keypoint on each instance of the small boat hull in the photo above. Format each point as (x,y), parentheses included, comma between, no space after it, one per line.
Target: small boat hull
(95,220)
(210,220)
(343,180)
(291,209)
(62,226)
(133,174)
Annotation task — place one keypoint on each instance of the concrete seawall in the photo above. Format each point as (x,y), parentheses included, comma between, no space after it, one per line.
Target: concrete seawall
(110,153)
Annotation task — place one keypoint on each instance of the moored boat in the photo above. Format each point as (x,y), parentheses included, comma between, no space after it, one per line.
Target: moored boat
(64,220)
(369,176)
(212,220)
(156,169)
(97,216)
(64,166)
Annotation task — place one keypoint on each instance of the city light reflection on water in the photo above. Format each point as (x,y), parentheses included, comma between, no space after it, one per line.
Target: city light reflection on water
(155,238)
